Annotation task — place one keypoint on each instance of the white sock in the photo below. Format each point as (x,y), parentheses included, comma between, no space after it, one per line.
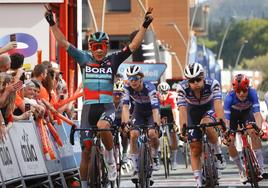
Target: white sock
(216,148)
(84,184)
(109,156)
(259,157)
(198,177)
(134,158)
(238,163)
(174,155)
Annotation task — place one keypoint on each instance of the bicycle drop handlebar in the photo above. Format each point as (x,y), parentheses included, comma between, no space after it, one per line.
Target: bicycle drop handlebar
(91,129)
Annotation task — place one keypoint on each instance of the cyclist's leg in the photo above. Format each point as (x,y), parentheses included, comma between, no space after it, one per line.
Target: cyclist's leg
(213,138)
(256,145)
(173,147)
(105,122)
(85,145)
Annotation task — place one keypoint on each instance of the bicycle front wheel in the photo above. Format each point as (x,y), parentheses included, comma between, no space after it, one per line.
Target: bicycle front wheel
(251,168)
(209,168)
(94,171)
(144,166)
(165,157)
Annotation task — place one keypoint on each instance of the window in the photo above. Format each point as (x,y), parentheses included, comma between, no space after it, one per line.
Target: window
(118,5)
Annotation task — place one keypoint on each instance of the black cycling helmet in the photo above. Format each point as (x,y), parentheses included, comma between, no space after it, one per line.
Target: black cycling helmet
(99,37)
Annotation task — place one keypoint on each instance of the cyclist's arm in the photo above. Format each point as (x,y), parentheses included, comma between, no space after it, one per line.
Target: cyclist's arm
(227,109)
(125,114)
(219,109)
(258,119)
(182,116)
(156,116)
(60,38)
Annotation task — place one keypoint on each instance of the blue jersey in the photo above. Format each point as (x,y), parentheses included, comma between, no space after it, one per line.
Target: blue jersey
(233,103)
(98,77)
(146,98)
(210,92)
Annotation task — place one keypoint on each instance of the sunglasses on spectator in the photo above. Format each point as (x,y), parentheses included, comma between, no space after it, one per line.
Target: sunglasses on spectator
(95,46)
(133,78)
(193,80)
(119,94)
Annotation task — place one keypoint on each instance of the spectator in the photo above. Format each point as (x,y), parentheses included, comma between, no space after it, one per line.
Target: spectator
(39,75)
(8,46)
(4,63)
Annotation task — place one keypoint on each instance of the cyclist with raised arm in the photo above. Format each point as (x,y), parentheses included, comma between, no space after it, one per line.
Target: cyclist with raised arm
(199,100)
(146,112)
(169,114)
(118,104)
(242,105)
(98,70)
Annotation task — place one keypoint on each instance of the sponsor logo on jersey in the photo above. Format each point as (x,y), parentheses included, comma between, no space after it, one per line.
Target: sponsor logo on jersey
(98,70)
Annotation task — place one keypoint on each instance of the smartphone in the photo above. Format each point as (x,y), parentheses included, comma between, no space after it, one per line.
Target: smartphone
(27,107)
(12,37)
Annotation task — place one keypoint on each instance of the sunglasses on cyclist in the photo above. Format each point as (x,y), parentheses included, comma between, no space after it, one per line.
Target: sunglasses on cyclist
(95,46)
(119,94)
(133,78)
(193,80)
(243,90)
(164,92)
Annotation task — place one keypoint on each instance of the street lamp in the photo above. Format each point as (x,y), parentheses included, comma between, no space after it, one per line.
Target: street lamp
(240,52)
(179,32)
(178,61)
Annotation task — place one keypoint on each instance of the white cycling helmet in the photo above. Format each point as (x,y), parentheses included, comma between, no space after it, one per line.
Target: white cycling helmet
(193,70)
(119,86)
(163,87)
(134,70)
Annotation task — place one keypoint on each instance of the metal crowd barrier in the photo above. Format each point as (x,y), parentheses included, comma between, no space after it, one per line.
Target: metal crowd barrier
(22,159)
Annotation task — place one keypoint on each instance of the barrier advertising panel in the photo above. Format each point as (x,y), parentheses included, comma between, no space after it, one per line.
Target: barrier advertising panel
(8,163)
(27,149)
(66,153)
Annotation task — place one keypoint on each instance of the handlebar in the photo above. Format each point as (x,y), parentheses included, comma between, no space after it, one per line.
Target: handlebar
(243,128)
(204,125)
(91,129)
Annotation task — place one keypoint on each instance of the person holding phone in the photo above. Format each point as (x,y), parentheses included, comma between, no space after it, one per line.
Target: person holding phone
(9,46)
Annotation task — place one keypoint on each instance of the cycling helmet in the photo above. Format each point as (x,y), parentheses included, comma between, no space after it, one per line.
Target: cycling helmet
(240,82)
(98,37)
(134,70)
(193,70)
(163,87)
(119,86)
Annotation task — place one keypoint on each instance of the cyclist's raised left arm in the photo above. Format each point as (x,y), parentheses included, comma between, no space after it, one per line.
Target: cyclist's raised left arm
(136,42)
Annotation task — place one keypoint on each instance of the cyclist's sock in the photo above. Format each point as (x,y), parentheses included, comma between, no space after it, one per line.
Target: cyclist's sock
(198,177)
(84,184)
(174,155)
(134,158)
(238,163)
(260,159)
(110,156)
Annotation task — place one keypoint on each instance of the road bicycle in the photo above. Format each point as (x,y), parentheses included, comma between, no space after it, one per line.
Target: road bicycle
(97,173)
(250,162)
(145,158)
(209,169)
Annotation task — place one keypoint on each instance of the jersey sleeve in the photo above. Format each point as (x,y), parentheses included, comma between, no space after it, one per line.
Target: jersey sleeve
(266,99)
(227,106)
(255,100)
(216,90)
(173,100)
(181,96)
(152,95)
(78,55)
(120,57)
(126,96)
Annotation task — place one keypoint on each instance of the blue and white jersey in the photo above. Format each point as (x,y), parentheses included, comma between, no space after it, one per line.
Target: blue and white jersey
(146,98)
(210,92)
(233,103)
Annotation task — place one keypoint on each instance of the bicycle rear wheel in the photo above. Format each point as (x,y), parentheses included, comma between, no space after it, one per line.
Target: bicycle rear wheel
(251,168)
(94,171)
(144,166)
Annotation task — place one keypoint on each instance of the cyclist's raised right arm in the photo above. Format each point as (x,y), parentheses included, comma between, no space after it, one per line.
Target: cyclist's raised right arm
(60,38)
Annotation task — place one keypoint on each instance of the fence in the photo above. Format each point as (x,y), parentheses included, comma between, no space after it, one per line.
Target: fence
(22,159)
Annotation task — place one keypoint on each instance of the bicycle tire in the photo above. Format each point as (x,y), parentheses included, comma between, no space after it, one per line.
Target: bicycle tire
(118,165)
(164,159)
(143,171)
(252,175)
(185,155)
(95,177)
(168,159)
(210,171)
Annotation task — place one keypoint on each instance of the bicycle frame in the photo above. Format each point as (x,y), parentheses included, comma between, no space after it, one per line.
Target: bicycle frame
(249,159)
